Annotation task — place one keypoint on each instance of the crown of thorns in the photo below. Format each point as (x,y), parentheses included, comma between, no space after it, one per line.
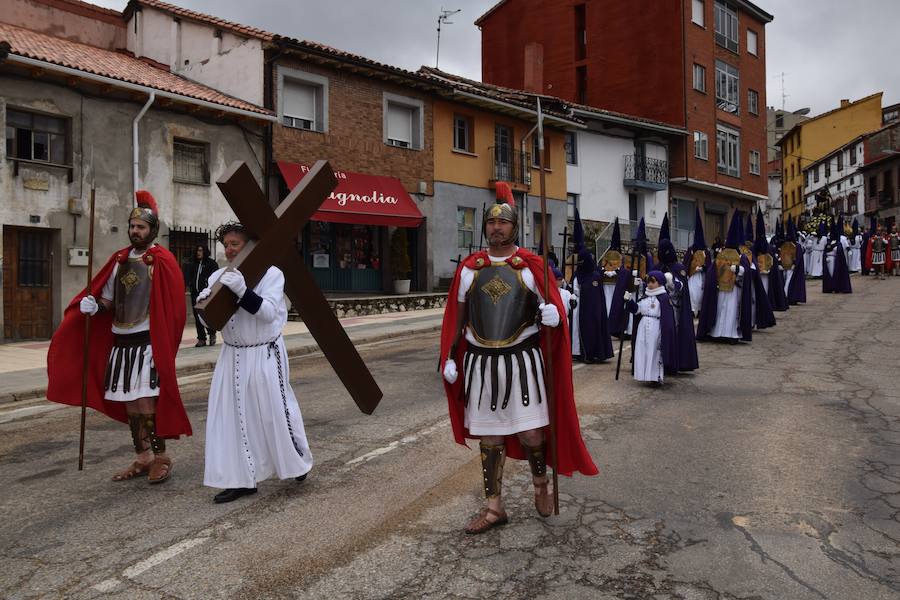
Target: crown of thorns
(230,227)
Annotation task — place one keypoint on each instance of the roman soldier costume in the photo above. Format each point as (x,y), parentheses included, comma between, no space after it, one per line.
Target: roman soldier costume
(132,344)
(490,330)
(878,257)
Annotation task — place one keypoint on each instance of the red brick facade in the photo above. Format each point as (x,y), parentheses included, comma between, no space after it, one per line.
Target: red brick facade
(638,59)
(354,141)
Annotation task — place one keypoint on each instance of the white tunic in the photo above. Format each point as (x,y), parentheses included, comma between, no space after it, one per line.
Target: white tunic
(695,286)
(816,257)
(254,428)
(854,253)
(648,363)
(728,312)
(788,275)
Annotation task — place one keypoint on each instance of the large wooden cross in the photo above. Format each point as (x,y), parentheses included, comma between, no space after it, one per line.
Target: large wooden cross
(275,233)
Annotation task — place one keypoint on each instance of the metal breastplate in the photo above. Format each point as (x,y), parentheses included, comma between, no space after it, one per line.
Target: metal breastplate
(500,305)
(877,244)
(895,242)
(131,293)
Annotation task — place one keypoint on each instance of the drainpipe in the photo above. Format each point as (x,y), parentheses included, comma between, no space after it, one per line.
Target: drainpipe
(134,140)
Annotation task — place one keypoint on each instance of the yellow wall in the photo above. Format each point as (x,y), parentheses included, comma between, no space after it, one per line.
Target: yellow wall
(476,169)
(815,138)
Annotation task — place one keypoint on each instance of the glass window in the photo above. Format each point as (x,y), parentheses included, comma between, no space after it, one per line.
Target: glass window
(779,120)
(751,42)
(356,247)
(697,15)
(191,162)
(462,133)
(754,162)
(571,205)
(853,154)
(840,160)
(828,168)
(465,227)
(727,87)
(399,122)
(726,26)
(701,145)
(753,102)
(536,153)
(816,174)
(728,146)
(571,148)
(699,78)
(32,136)
(299,108)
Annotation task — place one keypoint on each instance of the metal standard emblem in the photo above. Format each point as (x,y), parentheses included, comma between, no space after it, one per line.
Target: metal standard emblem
(496,288)
(129,280)
(726,259)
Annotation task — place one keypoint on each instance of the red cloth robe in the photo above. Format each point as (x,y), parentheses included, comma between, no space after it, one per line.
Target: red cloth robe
(888,262)
(167,317)
(573,455)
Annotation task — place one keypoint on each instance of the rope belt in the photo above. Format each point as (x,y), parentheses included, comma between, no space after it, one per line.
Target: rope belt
(272,341)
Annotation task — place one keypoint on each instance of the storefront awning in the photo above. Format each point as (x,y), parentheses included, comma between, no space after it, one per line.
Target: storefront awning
(360,199)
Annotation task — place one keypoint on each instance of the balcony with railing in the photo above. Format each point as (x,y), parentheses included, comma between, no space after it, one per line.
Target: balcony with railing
(646,173)
(511,166)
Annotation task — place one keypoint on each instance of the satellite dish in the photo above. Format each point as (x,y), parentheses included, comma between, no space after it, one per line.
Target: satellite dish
(801,111)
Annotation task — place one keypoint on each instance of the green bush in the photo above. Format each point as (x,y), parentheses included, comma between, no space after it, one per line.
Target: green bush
(400,265)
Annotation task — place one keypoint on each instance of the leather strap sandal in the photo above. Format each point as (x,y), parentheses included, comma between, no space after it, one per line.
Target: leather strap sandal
(135,470)
(160,469)
(543,502)
(481,523)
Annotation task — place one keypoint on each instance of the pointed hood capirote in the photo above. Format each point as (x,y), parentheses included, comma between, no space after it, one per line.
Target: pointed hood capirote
(699,242)
(760,245)
(748,229)
(855,227)
(616,242)
(735,231)
(640,237)
(664,233)
(578,233)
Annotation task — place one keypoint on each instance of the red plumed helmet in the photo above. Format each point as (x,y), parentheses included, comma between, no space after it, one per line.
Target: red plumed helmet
(504,193)
(145,199)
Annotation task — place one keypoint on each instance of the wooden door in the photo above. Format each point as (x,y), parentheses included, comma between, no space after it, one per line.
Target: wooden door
(27,291)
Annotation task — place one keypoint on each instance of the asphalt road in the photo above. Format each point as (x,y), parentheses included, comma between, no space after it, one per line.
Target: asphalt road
(774,472)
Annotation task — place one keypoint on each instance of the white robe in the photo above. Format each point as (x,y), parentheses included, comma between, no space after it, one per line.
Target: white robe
(728,313)
(695,286)
(648,363)
(807,242)
(788,275)
(817,257)
(254,428)
(854,255)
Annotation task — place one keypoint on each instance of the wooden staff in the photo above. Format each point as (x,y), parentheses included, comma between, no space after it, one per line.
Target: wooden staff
(548,359)
(87,332)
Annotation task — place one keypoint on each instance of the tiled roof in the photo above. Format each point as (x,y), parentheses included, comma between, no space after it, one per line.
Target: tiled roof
(115,65)
(317,47)
(195,16)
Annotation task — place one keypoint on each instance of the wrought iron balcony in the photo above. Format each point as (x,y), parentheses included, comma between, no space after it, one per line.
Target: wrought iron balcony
(647,173)
(510,165)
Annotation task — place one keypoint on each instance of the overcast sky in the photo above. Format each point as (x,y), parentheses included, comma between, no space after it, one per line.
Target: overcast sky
(827,49)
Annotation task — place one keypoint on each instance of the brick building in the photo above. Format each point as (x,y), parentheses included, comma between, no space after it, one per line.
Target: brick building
(881,173)
(697,65)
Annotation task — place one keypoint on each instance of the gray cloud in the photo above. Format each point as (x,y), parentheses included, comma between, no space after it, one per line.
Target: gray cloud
(828,49)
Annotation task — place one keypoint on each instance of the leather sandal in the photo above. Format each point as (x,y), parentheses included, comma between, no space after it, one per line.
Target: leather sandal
(481,523)
(136,469)
(542,499)
(160,469)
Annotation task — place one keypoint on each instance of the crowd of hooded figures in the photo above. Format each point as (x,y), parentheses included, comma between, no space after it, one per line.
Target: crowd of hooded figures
(665,303)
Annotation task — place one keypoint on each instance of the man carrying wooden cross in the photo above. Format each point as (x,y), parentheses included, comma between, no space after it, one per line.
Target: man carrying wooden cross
(497,303)
(254,428)
(137,306)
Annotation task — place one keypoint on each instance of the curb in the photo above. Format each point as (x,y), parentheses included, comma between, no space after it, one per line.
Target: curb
(298,352)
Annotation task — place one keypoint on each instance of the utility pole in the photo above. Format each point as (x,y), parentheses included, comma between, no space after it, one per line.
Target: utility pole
(443,18)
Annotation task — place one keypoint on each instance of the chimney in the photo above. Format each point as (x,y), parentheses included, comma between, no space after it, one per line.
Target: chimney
(534,68)
(845,102)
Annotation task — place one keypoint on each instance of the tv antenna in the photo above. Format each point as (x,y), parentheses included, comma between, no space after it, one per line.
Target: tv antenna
(443,18)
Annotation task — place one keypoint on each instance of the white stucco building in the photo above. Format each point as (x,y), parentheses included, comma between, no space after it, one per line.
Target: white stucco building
(836,178)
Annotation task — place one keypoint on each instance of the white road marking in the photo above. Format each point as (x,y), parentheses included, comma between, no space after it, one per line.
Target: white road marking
(27,411)
(160,557)
(409,439)
(107,585)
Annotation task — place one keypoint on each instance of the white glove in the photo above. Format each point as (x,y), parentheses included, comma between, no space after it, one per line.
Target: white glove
(628,296)
(669,279)
(634,273)
(88,306)
(204,294)
(733,269)
(234,281)
(450,372)
(549,315)
(740,270)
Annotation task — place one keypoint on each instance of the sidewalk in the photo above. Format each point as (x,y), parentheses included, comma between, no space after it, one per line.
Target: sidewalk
(23,366)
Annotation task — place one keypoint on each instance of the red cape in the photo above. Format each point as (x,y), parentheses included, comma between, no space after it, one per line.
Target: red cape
(167,318)
(888,263)
(573,455)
